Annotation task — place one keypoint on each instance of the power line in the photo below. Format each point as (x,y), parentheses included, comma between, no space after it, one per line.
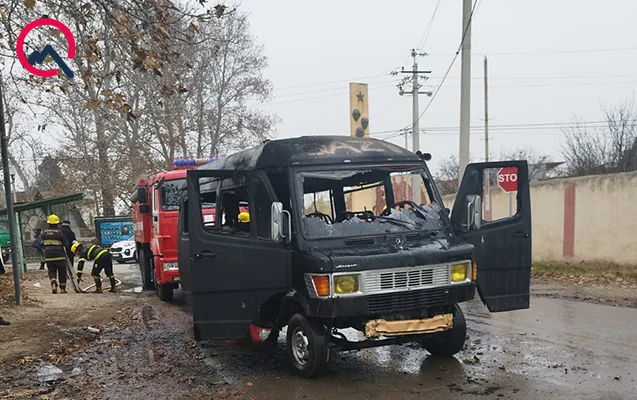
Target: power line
(503,128)
(437,90)
(425,36)
(328,82)
(552,52)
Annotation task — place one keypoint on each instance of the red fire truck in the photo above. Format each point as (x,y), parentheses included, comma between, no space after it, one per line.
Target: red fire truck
(155,217)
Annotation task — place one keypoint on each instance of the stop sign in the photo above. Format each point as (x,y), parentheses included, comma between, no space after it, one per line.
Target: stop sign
(508,179)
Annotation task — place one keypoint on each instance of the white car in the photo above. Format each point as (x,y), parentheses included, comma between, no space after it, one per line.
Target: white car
(124,251)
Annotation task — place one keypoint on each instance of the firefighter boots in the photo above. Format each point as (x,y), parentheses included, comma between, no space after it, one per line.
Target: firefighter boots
(98,285)
(54,286)
(63,288)
(113,283)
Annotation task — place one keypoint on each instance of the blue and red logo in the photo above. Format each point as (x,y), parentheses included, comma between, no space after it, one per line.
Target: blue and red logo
(39,56)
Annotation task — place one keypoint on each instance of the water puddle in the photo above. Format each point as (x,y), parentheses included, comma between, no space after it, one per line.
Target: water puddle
(49,372)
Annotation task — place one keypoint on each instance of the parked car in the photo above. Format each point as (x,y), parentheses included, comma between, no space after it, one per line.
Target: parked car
(124,251)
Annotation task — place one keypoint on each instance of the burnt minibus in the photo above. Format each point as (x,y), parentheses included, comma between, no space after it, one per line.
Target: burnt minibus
(324,235)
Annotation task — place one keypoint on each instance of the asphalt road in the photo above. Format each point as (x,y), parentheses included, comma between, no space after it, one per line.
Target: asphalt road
(558,349)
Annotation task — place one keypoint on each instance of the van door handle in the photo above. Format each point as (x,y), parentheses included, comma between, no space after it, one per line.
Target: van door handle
(205,254)
(520,234)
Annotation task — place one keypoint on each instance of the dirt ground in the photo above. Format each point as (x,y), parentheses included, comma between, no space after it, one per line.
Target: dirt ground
(138,347)
(49,352)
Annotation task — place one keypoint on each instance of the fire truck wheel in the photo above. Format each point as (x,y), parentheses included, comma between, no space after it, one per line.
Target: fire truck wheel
(165,291)
(307,346)
(145,268)
(450,342)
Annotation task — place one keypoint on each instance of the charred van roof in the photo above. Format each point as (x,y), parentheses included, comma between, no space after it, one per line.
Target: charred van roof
(313,150)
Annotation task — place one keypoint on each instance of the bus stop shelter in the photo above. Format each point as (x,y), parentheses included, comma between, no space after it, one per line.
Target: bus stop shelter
(31,216)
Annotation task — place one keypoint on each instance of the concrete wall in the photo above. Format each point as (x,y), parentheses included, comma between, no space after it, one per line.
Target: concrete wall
(587,218)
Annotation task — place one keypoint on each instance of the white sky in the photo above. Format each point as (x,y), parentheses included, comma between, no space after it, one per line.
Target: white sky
(316,48)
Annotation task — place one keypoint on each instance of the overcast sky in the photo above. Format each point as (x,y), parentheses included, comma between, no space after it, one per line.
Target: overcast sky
(548,62)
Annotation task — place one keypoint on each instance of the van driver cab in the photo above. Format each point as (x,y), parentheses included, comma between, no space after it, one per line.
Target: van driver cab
(345,232)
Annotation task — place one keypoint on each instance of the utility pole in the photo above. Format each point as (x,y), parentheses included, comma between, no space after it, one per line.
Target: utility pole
(4,154)
(487,203)
(465,91)
(415,131)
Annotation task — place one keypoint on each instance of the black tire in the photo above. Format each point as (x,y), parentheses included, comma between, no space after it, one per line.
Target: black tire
(450,342)
(310,361)
(145,268)
(135,256)
(165,291)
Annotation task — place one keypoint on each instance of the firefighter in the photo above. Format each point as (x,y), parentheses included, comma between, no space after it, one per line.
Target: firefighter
(102,259)
(55,253)
(70,238)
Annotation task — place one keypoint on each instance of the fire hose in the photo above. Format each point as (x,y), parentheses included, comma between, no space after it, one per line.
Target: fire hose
(73,279)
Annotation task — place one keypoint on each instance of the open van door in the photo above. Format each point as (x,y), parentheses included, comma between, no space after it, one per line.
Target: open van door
(503,244)
(232,266)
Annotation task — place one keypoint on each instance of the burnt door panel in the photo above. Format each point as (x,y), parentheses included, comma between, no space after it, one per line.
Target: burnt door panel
(274,260)
(183,248)
(502,247)
(223,279)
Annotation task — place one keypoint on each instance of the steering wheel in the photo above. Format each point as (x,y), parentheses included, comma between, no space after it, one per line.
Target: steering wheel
(324,217)
(344,215)
(367,215)
(401,204)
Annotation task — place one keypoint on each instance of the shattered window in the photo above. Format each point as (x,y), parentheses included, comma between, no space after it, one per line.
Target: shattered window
(346,203)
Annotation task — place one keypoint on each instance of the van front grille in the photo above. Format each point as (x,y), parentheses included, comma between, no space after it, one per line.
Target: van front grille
(419,277)
(404,301)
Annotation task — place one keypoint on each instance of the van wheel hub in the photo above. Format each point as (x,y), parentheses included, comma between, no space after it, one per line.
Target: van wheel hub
(300,346)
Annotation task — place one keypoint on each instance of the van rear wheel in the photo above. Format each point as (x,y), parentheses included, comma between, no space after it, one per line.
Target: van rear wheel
(450,342)
(307,346)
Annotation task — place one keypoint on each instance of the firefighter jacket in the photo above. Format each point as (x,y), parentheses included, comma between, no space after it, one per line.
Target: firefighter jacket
(90,253)
(54,244)
(69,235)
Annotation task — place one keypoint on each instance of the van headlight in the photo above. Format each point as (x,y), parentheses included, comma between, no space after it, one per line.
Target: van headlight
(346,284)
(459,272)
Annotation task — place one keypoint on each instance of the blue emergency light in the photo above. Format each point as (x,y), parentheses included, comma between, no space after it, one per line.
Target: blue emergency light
(192,162)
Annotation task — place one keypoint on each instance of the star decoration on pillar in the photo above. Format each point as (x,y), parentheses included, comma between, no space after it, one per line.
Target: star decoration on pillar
(360,96)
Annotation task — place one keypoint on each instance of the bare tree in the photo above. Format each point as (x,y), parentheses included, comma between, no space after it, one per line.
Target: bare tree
(603,150)
(540,168)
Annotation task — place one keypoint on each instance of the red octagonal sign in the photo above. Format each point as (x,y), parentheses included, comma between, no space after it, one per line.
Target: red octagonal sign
(508,179)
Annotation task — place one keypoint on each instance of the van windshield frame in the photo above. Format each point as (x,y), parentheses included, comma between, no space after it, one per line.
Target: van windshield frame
(337,185)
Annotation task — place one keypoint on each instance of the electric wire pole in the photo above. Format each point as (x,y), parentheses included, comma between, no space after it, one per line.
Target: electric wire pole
(487,203)
(4,154)
(465,91)
(415,131)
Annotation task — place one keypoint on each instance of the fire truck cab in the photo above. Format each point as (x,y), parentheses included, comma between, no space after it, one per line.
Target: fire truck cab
(155,204)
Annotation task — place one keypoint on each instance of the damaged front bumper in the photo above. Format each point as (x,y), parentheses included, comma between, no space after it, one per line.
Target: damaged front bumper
(380,327)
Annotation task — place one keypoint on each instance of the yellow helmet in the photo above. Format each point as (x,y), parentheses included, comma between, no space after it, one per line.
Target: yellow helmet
(244,217)
(74,246)
(53,219)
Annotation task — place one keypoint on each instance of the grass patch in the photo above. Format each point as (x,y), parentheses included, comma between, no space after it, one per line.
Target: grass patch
(586,271)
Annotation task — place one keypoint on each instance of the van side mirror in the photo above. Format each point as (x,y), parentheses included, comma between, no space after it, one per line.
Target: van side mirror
(144,208)
(280,223)
(474,212)
(141,195)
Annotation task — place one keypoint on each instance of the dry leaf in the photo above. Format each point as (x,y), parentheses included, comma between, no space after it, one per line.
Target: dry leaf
(30,4)
(249,384)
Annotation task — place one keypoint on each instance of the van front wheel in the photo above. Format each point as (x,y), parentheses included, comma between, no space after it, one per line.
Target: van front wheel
(450,342)
(308,346)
